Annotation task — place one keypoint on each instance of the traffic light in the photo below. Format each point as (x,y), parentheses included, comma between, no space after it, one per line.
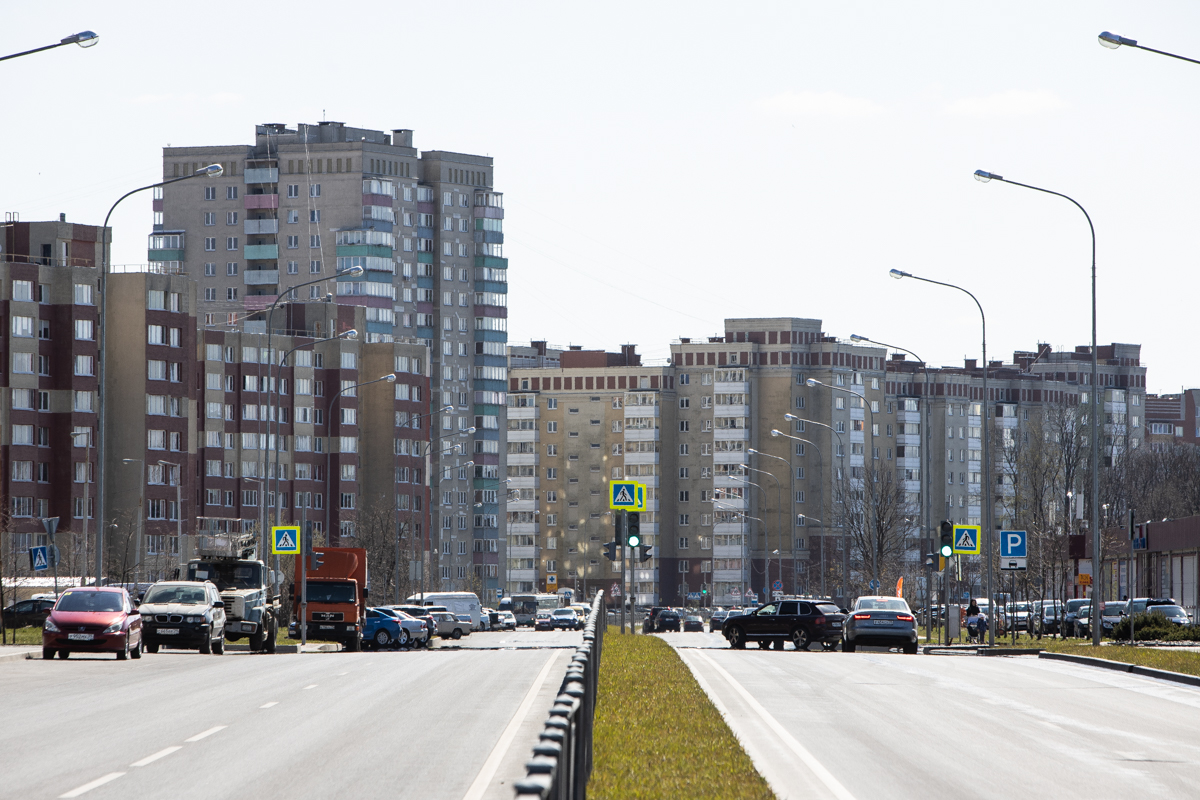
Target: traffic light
(633,535)
(1132,525)
(946,548)
(610,551)
(315,561)
(644,552)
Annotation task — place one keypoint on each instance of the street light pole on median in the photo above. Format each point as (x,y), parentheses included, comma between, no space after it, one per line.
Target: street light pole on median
(986,434)
(211,171)
(1112,41)
(1094,404)
(84,39)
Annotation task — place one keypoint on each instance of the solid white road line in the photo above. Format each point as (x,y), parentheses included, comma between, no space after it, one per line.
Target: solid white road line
(268,705)
(825,776)
(484,778)
(87,787)
(206,733)
(150,759)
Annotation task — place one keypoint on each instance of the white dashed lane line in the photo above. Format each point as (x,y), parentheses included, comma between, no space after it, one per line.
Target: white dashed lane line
(268,705)
(206,734)
(150,759)
(87,787)
(311,686)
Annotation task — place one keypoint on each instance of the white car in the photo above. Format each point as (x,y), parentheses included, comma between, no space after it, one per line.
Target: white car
(508,620)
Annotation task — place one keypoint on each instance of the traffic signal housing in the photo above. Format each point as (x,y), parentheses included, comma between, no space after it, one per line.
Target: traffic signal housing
(610,551)
(644,552)
(946,547)
(315,561)
(633,535)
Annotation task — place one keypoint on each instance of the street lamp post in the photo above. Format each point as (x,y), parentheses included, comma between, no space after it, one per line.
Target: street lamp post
(1112,41)
(141,523)
(412,541)
(766,537)
(1095,407)
(791,512)
(986,494)
(178,507)
(87,479)
(778,525)
(329,481)
(842,448)
(926,500)
(84,39)
(211,171)
(743,515)
(820,504)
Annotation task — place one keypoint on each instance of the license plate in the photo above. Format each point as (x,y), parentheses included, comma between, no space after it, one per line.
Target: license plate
(881,622)
(326,627)
(80,637)
(168,631)
(837,624)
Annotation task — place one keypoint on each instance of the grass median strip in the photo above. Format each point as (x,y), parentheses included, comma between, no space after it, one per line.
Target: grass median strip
(658,735)
(1173,659)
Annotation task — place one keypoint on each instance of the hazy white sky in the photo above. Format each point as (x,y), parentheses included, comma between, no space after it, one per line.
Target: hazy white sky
(667,165)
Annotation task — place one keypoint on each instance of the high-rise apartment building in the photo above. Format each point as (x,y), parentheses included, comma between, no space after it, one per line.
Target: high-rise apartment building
(303,206)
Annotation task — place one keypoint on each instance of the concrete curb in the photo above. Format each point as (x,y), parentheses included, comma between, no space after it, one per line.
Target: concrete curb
(20,655)
(1120,666)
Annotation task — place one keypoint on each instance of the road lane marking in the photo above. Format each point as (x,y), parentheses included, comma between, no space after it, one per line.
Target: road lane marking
(206,733)
(150,759)
(810,761)
(484,778)
(268,705)
(87,787)
(311,686)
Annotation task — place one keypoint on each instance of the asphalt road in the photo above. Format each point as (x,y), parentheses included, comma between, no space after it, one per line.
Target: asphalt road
(454,722)
(879,724)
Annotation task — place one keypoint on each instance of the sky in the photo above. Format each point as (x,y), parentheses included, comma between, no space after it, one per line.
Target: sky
(668,165)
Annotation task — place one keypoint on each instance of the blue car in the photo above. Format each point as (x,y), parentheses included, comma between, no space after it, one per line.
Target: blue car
(381,630)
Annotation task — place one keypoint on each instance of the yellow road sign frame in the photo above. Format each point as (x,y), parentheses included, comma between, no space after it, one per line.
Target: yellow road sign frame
(637,491)
(958,532)
(295,532)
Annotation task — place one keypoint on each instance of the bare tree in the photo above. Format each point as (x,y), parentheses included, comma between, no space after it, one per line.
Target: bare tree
(877,514)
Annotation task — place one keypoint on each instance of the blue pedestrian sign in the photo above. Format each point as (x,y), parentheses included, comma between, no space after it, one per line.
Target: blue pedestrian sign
(39,558)
(966,539)
(627,496)
(285,540)
(1013,544)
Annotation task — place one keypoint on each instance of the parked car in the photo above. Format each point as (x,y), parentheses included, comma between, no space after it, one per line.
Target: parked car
(407,630)
(186,615)
(880,622)
(1049,614)
(1070,615)
(565,618)
(801,621)
(543,621)
(93,620)
(1141,604)
(1020,612)
(1174,614)
(717,619)
(380,630)
(667,620)
(450,626)
(693,624)
(27,613)
(466,620)
(508,621)
(650,621)
(421,613)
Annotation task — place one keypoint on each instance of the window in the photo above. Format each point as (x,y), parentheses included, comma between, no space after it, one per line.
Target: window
(683,520)
(684,567)
(83,294)
(314,268)
(314,241)
(231,268)
(684,426)
(314,190)
(22,326)
(231,192)
(683,543)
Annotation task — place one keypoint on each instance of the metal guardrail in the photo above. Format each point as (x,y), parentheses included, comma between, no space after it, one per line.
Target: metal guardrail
(562,758)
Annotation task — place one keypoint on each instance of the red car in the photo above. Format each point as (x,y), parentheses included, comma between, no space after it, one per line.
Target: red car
(93,620)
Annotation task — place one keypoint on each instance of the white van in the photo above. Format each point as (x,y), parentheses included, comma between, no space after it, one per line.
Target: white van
(455,602)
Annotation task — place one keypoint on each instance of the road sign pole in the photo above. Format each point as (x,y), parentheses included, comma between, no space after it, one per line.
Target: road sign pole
(621,548)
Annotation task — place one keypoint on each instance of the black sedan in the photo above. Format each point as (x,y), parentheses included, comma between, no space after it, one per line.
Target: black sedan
(667,620)
(693,623)
(880,622)
(717,619)
(27,613)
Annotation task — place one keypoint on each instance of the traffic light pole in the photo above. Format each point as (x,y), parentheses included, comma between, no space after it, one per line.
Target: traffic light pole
(621,549)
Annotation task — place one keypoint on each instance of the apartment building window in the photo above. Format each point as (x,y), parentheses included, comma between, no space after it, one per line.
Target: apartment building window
(683,496)
(231,218)
(684,426)
(231,293)
(83,294)
(231,268)
(683,520)
(210,193)
(683,543)
(293,242)
(314,215)
(210,242)
(210,294)
(314,268)
(314,241)
(293,189)
(231,193)
(314,190)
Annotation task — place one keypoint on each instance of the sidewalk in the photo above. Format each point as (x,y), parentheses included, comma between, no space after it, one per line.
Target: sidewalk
(16,652)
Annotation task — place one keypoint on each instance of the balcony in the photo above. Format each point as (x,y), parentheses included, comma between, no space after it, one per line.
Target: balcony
(261,277)
(261,226)
(492,262)
(259,201)
(259,302)
(259,252)
(164,255)
(262,175)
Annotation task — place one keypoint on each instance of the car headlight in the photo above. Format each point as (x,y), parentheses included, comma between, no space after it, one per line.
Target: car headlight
(50,627)
(194,618)
(147,618)
(115,627)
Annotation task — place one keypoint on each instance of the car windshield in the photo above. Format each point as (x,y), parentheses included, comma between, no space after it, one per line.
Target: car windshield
(1113,609)
(90,601)
(1075,605)
(226,574)
(185,595)
(1168,611)
(693,619)
(564,612)
(880,604)
(330,592)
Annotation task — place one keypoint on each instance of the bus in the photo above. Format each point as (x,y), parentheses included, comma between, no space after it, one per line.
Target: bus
(525,606)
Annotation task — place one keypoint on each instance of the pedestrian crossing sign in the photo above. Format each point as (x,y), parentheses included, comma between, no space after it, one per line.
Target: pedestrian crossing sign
(285,540)
(966,539)
(627,496)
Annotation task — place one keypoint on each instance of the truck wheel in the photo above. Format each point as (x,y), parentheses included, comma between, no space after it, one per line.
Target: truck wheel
(354,645)
(206,645)
(271,633)
(219,645)
(257,639)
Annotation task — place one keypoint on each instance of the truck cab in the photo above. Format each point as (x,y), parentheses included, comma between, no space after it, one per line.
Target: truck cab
(245,584)
(331,599)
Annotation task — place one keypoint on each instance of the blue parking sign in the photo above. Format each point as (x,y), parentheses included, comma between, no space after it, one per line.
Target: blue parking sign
(1013,544)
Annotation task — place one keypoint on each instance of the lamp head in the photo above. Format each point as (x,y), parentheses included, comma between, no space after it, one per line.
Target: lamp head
(354,271)
(898,274)
(470,429)
(211,171)
(811,382)
(791,417)
(390,377)
(854,337)
(469,464)
(774,432)
(752,451)
(83,39)
(984,177)
(446,408)
(131,460)
(350,334)
(1112,41)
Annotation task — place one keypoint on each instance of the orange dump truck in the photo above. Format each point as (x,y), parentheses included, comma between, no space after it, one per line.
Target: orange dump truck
(331,597)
